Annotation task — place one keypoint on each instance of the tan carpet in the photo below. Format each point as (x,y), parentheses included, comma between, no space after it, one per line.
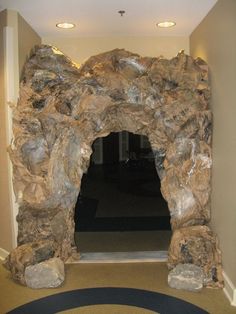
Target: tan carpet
(111,309)
(149,276)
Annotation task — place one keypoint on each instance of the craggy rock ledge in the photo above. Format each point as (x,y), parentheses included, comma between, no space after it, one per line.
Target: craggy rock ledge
(63,108)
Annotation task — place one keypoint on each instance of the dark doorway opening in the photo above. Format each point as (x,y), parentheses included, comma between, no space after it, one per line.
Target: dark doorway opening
(121,190)
(110,147)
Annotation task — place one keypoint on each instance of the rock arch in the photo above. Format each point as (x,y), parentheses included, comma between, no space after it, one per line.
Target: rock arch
(63,108)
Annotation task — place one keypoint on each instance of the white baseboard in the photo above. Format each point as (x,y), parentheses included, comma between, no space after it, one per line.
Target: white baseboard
(3,254)
(229,289)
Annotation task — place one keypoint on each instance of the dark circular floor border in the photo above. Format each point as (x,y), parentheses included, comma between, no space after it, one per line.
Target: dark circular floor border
(149,300)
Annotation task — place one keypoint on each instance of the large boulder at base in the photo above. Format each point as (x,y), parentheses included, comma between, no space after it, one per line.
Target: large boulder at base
(186,277)
(28,254)
(47,274)
(199,246)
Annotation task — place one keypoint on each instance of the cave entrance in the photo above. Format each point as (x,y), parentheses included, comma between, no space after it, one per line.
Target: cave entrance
(63,109)
(120,206)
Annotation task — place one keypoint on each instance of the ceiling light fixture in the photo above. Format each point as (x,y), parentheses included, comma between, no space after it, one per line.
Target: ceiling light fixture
(166,24)
(121,12)
(65,25)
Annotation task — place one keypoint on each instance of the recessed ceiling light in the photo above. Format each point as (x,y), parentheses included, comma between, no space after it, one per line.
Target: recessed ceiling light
(65,25)
(166,24)
(121,12)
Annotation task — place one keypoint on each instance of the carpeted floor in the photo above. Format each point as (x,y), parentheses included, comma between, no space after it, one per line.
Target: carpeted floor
(111,309)
(149,276)
(139,298)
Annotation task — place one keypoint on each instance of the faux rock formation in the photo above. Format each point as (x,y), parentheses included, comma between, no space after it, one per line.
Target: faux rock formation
(197,245)
(186,277)
(63,108)
(28,254)
(47,274)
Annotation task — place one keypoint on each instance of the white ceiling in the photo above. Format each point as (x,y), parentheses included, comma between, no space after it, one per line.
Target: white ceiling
(100,17)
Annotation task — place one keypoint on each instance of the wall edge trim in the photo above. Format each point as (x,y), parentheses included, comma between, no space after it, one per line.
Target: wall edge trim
(3,254)
(229,289)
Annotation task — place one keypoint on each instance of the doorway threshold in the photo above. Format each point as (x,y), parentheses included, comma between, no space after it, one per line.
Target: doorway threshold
(120,257)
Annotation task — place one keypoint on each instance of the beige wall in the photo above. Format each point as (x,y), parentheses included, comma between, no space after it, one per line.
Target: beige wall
(24,38)
(215,41)
(80,49)
(26,32)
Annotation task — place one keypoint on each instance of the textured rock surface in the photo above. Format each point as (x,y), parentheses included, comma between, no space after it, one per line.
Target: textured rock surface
(28,254)
(48,274)
(197,245)
(62,109)
(186,277)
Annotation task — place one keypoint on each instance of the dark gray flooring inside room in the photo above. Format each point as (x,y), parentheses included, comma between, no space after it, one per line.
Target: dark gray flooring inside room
(120,208)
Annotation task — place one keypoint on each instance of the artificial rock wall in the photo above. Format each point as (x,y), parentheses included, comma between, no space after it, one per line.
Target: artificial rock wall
(63,108)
